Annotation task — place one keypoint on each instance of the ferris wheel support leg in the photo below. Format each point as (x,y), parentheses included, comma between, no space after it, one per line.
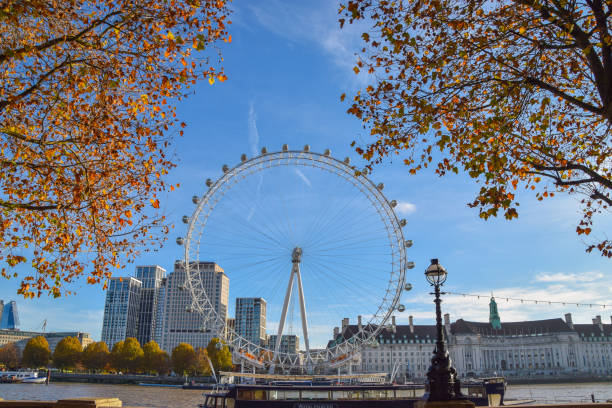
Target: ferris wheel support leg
(281,324)
(303,310)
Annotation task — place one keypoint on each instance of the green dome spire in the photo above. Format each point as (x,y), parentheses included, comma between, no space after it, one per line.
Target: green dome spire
(494,315)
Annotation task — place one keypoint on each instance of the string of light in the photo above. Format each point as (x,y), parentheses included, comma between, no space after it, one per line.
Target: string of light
(534,301)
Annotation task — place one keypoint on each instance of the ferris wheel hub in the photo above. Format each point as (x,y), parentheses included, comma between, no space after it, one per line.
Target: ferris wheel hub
(296,256)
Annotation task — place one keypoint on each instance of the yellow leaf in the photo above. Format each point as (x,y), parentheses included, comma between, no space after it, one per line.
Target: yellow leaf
(170,36)
(211,79)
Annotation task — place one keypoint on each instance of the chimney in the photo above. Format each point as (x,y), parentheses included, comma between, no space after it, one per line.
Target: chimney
(393,324)
(345,323)
(568,320)
(597,321)
(359,322)
(447,326)
(336,331)
(411,325)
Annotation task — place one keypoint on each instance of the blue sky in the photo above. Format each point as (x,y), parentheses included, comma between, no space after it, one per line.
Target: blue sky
(288,64)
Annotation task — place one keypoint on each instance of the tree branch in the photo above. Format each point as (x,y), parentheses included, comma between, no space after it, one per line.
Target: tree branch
(50,43)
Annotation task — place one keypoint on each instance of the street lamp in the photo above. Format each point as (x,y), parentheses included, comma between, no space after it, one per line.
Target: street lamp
(441,376)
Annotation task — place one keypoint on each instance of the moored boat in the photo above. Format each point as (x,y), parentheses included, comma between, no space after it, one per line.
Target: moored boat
(487,392)
(26,377)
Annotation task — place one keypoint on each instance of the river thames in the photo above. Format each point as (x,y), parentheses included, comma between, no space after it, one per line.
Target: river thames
(133,395)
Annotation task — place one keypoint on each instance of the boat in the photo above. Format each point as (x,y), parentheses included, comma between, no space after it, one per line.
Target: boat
(26,377)
(488,392)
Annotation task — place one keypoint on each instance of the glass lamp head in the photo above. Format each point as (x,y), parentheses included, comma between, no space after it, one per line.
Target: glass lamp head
(435,273)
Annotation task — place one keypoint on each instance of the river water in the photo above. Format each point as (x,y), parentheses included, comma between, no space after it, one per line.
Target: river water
(133,395)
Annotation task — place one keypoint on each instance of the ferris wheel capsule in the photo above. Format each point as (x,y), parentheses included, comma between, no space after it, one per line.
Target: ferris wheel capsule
(327,152)
(180,241)
(408,287)
(380,186)
(225,168)
(189,309)
(409,265)
(401,308)
(243,157)
(209,182)
(408,243)
(195,199)
(393,203)
(403,222)
(347,160)
(285,148)
(306,148)
(185,219)
(264,150)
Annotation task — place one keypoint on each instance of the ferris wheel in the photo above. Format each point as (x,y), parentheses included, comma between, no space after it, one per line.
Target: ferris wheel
(313,238)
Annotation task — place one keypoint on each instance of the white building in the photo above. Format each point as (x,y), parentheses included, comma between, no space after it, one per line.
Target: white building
(527,349)
(180,323)
(121,310)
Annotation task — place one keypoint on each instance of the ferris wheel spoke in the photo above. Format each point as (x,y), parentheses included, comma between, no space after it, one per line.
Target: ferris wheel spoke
(328,217)
(336,234)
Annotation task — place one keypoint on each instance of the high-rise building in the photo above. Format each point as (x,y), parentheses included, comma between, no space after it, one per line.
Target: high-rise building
(151,277)
(251,319)
(159,314)
(180,323)
(121,310)
(290,343)
(10,317)
(230,327)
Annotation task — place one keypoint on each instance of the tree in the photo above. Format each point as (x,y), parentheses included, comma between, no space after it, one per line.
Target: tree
(9,356)
(116,357)
(36,353)
(67,353)
(154,358)
(96,356)
(183,358)
(87,96)
(219,355)
(201,362)
(515,93)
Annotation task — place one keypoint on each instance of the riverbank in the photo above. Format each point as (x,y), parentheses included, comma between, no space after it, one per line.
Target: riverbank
(558,380)
(125,379)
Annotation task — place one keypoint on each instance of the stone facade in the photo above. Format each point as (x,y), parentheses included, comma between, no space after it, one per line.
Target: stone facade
(550,347)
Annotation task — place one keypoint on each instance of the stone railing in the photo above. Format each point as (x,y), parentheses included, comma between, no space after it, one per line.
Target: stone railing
(65,403)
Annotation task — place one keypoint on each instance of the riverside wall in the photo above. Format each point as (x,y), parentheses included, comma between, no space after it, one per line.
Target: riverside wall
(124,379)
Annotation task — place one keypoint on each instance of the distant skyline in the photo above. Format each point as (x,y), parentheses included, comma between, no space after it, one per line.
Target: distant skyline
(287,66)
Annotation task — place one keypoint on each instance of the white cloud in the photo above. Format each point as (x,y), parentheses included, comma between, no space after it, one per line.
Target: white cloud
(253,132)
(545,287)
(316,24)
(405,208)
(303,177)
(570,277)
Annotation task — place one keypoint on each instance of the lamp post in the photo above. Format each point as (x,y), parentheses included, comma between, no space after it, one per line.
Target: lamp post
(441,376)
